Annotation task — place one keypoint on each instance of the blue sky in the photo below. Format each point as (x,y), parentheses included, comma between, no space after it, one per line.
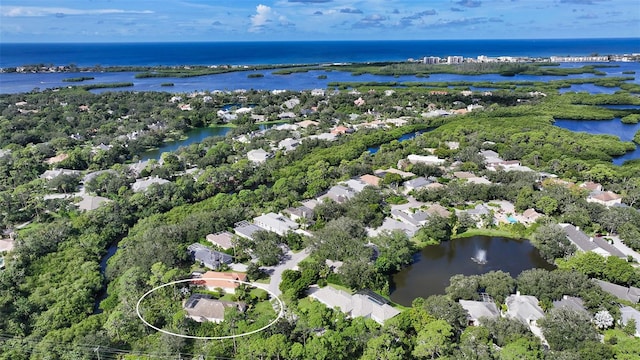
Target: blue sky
(240,20)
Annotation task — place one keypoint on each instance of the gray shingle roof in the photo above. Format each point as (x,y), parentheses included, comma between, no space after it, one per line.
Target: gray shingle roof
(208,257)
(626,293)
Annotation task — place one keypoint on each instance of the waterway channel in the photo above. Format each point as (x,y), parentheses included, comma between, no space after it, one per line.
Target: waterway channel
(434,265)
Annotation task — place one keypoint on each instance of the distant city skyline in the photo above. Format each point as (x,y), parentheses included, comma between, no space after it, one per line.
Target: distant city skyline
(301,20)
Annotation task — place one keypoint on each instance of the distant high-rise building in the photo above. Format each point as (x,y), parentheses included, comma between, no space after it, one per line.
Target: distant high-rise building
(454,59)
(431,60)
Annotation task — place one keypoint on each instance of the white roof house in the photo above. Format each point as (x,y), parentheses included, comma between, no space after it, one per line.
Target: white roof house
(258,156)
(627,313)
(362,304)
(479,309)
(277,223)
(525,309)
(52,174)
(288,144)
(428,159)
(606,198)
(89,202)
(144,184)
(356,184)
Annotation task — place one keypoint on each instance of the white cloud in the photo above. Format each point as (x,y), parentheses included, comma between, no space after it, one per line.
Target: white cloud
(265,16)
(36,11)
(261,18)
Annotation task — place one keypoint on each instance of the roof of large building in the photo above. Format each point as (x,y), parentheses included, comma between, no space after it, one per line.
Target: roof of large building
(89,202)
(208,257)
(214,279)
(570,302)
(524,308)
(202,307)
(622,292)
(222,239)
(478,309)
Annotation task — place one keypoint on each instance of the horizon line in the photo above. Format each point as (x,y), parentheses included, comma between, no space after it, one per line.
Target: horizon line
(307,41)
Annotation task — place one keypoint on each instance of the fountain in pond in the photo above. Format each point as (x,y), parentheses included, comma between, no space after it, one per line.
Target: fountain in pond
(480,257)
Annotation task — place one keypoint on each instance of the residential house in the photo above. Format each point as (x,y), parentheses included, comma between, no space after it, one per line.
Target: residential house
(301,213)
(291,103)
(390,224)
(463,175)
(417,218)
(438,209)
(630,293)
(479,309)
(213,280)
(478,213)
(429,159)
(317,92)
(246,229)
(356,184)
(627,313)
(306,123)
(416,184)
(288,144)
(525,309)
(371,180)
(324,136)
(340,193)
(207,257)
(491,157)
(585,243)
(339,130)
(137,168)
(571,302)
(202,308)
(222,239)
(370,305)
(365,304)
(606,198)
(591,186)
(52,174)
(143,184)
(258,156)
(277,223)
(89,202)
(530,215)
(404,174)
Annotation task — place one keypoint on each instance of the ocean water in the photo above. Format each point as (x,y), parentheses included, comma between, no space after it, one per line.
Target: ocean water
(109,54)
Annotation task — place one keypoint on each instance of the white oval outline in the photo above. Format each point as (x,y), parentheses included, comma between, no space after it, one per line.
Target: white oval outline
(280,313)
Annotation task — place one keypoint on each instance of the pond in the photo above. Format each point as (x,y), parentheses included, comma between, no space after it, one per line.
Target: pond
(434,265)
(609,127)
(407,136)
(192,136)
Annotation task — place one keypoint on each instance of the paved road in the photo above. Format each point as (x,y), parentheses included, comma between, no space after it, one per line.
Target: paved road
(290,262)
(617,243)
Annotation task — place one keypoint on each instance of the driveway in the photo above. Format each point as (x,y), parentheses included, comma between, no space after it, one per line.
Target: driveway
(290,261)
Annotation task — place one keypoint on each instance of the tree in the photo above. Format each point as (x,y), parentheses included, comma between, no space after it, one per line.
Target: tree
(443,308)
(384,347)
(506,330)
(547,205)
(567,329)
(475,343)
(395,251)
(603,319)
(438,228)
(522,349)
(552,242)
(434,340)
